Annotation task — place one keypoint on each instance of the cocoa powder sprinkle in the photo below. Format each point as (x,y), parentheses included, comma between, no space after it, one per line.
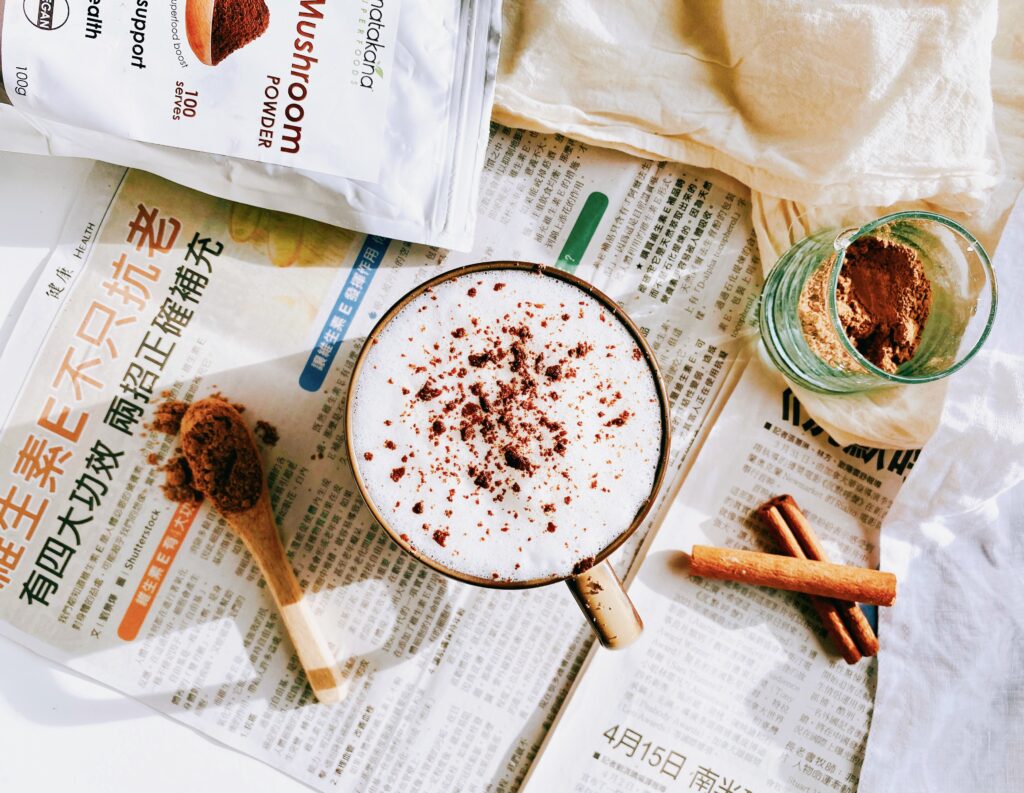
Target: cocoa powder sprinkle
(428,392)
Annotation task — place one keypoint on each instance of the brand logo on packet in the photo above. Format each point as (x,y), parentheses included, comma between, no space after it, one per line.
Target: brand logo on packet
(369,50)
(47,14)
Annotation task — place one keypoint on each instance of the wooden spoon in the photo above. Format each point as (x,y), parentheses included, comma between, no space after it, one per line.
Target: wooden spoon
(225,463)
(199,28)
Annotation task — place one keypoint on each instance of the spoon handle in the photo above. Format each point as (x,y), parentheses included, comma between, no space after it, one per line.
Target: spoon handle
(314,653)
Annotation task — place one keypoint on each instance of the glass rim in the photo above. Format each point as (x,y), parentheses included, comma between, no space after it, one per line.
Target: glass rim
(885,220)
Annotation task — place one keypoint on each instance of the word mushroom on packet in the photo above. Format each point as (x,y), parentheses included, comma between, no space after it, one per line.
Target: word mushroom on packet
(371,115)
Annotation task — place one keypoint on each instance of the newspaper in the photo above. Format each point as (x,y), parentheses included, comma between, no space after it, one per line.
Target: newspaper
(731,688)
(157,290)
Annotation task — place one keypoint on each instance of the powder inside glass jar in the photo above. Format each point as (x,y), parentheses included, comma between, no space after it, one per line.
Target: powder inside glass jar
(883,297)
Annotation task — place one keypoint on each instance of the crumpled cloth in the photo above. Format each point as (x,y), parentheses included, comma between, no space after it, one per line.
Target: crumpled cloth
(949,706)
(817,103)
(832,114)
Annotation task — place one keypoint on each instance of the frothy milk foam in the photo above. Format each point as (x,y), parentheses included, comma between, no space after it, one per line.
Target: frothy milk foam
(507,425)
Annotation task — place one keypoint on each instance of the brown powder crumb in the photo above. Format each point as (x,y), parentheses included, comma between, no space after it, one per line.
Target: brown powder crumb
(418,507)
(551,527)
(397,473)
(553,372)
(224,462)
(479,359)
(153,458)
(428,392)
(267,433)
(367,456)
(619,420)
(458,333)
(637,355)
(499,286)
(236,405)
(178,485)
(518,354)
(167,417)
(883,297)
(583,565)
(440,537)
(472,291)
(389,445)
(515,458)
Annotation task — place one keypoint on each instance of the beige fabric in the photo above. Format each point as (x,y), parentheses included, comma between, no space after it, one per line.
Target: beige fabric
(832,113)
(825,103)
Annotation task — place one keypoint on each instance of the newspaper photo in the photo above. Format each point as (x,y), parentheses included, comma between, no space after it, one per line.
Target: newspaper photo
(733,688)
(157,292)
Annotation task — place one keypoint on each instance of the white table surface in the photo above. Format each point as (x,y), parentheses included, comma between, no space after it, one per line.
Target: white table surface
(58,730)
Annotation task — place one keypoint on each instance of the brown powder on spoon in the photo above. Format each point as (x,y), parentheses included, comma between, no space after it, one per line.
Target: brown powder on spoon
(168,415)
(217,457)
(178,485)
(222,456)
(883,297)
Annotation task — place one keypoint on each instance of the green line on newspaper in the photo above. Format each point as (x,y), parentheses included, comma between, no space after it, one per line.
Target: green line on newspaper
(582,231)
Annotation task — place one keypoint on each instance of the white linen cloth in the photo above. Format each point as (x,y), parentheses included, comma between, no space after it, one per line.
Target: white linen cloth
(832,113)
(822,103)
(949,707)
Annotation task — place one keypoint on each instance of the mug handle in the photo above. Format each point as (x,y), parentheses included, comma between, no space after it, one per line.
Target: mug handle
(606,605)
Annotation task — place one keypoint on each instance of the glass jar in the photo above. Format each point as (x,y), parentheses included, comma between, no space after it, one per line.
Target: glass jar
(963,305)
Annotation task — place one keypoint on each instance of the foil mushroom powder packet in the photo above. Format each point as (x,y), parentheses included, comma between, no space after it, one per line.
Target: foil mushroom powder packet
(372,115)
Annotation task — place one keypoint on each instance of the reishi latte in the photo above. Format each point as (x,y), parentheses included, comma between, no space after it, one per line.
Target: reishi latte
(507,425)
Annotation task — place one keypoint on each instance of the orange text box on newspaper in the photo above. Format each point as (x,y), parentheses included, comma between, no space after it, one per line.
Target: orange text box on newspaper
(157,570)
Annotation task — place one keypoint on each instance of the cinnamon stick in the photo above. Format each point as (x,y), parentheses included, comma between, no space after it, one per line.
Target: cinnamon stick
(837,581)
(804,533)
(827,609)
